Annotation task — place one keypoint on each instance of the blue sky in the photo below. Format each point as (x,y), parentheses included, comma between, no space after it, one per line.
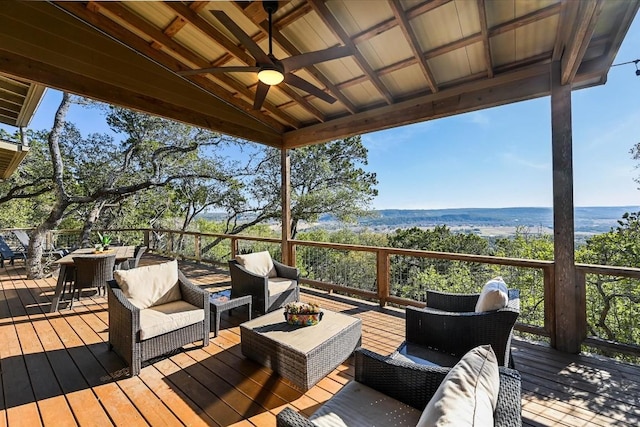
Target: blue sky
(498,157)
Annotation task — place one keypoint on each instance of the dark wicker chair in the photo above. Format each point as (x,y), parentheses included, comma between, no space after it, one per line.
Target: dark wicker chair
(449,327)
(92,272)
(244,282)
(135,261)
(414,385)
(124,326)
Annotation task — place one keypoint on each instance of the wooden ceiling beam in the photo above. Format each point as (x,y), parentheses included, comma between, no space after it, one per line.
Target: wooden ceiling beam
(157,35)
(579,41)
(258,20)
(529,18)
(8,86)
(200,23)
(332,88)
(12,97)
(80,84)
(414,44)
(566,22)
(484,30)
(527,83)
(210,31)
(332,23)
(390,23)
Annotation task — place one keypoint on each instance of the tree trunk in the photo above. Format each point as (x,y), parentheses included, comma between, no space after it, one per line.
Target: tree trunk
(38,237)
(92,217)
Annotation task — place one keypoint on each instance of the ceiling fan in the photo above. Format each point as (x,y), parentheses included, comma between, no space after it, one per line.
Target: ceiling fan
(272,71)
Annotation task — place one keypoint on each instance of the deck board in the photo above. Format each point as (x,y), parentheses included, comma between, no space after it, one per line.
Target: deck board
(57,369)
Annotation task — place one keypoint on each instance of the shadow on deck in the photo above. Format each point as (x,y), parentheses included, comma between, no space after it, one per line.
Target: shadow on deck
(57,369)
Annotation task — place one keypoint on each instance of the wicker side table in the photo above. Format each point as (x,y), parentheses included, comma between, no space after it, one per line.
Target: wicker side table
(222,301)
(302,354)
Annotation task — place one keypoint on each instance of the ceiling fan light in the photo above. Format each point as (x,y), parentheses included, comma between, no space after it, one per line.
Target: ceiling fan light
(270,76)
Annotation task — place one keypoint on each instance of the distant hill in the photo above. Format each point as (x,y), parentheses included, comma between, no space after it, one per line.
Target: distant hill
(598,219)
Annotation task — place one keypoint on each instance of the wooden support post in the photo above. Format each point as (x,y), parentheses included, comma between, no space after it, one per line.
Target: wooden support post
(147,240)
(197,246)
(285,173)
(234,247)
(382,276)
(567,296)
(550,303)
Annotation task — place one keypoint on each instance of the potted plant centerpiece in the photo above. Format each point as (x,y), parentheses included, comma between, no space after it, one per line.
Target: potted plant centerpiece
(103,243)
(302,313)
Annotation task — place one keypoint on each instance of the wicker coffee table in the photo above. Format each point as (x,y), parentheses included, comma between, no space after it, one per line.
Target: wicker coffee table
(302,354)
(222,301)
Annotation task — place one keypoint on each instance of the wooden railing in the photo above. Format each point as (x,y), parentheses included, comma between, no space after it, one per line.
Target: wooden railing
(217,248)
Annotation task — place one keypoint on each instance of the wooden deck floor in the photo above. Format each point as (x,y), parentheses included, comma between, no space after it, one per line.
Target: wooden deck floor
(56,370)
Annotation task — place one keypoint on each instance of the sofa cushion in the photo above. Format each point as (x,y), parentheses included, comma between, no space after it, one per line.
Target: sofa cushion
(160,319)
(359,405)
(494,296)
(278,285)
(259,263)
(468,394)
(151,285)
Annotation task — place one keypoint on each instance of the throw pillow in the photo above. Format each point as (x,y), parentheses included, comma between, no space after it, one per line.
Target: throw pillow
(259,263)
(151,285)
(468,395)
(494,296)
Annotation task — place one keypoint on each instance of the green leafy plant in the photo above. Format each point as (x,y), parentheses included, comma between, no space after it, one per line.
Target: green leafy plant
(104,240)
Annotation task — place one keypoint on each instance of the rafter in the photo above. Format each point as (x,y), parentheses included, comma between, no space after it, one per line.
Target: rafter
(482,16)
(121,33)
(157,35)
(580,38)
(258,19)
(331,22)
(523,84)
(411,38)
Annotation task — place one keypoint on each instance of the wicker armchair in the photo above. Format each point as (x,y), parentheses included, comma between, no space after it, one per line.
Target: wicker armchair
(414,385)
(449,327)
(269,293)
(92,271)
(135,261)
(124,326)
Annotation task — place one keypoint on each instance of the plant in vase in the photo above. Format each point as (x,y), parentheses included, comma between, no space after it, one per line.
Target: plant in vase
(302,313)
(103,242)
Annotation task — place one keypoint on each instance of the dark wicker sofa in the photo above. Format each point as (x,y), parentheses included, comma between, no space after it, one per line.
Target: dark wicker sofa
(124,326)
(414,385)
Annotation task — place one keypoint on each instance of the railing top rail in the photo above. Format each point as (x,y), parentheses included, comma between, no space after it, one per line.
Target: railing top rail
(218,235)
(609,270)
(485,259)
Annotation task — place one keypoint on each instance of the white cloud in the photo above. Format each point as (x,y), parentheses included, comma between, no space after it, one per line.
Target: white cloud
(511,158)
(479,118)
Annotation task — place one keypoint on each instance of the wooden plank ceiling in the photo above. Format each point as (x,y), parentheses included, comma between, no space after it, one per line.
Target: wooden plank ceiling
(18,101)
(408,60)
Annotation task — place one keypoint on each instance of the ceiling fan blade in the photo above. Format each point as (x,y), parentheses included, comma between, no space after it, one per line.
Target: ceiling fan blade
(261,94)
(245,40)
(304,85)
(239,69)
(305,59)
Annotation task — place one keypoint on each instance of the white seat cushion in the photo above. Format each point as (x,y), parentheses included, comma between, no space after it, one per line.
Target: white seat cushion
(259,263)
(151,285)
(277,285)
(160,319)
(469,393)
(494,296)
(359,405)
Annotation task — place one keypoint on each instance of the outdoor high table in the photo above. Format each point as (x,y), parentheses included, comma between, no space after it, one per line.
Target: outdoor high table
(302,354)
(122,254)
